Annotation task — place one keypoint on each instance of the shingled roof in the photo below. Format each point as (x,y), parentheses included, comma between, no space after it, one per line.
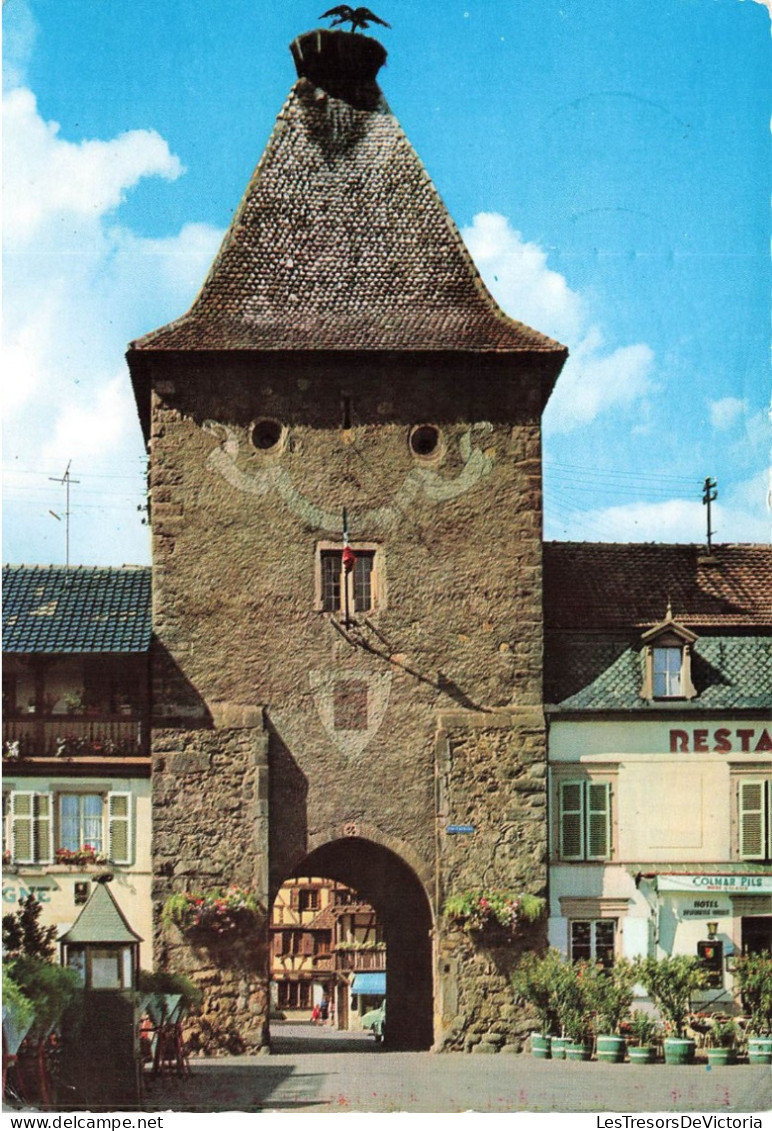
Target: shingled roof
(599,599)
(341,242)
(101,921)
(58,609)
(596,585)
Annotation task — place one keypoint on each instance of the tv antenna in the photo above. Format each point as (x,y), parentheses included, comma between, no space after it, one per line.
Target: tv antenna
(66,479)
(709,495)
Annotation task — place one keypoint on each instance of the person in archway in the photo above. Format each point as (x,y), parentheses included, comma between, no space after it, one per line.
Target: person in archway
(325,1009)
(316,1014)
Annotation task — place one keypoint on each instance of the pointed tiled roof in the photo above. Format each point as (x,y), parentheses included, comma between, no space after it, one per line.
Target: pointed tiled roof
(59,609)
(341,242)
(101,921)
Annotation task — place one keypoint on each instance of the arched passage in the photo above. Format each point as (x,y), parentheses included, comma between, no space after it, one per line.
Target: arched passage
(392,888)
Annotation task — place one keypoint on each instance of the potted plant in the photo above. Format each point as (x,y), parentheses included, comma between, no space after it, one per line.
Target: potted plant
(578,1029)
(166,994)
(73,702)
(753,985)
(537,981)
(223,912)
(576,997)
(723,1040)
(641,1029)
(611,995)
(671,982)
(493,911)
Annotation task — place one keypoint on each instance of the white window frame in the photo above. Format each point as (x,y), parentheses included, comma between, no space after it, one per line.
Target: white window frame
(586,813)
(593,924)
(670,674)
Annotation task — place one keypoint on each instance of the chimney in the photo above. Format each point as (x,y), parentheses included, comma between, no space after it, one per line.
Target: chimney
(341,63)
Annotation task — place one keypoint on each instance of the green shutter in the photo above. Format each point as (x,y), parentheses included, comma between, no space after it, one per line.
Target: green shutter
(119,838)
(598,822)
(571,820)
(31,827)
(44,831)
(23,827)
(753,819)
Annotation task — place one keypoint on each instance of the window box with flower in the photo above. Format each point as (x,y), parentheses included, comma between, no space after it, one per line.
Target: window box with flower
(79,857)
(493,914)
(225,912)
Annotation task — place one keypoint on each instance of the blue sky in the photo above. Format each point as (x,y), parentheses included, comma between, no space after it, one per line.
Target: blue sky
(607,163)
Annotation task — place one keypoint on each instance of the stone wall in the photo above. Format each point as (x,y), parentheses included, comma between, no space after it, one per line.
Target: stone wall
(457,633)
(491,779)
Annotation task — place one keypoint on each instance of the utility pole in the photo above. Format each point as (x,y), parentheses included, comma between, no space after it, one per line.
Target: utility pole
(709,495)
(66,480)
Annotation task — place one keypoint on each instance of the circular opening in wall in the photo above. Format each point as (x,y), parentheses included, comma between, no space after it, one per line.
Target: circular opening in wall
(266,435)
(425,441)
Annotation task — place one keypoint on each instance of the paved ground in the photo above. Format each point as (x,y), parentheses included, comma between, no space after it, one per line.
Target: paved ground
(317,1070)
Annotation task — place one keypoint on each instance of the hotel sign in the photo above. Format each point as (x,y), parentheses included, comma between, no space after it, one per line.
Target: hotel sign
(729,884)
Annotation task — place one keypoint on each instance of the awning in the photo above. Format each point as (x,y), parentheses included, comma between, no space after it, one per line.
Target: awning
(374,984)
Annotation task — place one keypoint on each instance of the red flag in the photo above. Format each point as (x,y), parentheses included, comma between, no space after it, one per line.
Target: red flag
(349,557)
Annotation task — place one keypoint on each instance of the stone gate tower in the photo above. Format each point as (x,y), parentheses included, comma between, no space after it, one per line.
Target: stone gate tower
(344,384)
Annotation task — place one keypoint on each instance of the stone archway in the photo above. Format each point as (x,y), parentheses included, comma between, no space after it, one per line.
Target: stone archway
(393,889)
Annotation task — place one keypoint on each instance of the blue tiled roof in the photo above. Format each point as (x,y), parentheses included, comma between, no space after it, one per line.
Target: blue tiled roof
(55,609)
(729,673)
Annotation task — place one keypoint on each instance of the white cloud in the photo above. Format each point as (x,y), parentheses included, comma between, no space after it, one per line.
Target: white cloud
(594,381)
(726,412)
(517,275)
(673,520)
(78,286)
(49,177)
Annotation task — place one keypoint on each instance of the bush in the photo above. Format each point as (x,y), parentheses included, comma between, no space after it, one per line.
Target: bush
(23,934)
(167,982)
(723,1034)
(610,994)
(753,983)
(542,982)
(670,982)
(51,990)
(642,1027)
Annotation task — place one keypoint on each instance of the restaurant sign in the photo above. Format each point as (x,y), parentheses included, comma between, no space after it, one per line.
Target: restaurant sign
(729,884)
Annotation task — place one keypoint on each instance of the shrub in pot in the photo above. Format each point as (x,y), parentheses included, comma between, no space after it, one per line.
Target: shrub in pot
(671,982)
(641,1029)
(610,993)
(723,1040)
(753,986)
(539,981)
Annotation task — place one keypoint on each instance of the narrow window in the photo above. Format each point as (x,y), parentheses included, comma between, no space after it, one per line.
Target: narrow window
(667,664)
(81,821)
(337,583)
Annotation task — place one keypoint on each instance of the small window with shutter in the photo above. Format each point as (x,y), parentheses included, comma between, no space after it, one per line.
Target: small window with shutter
(585,820)
(39,824)
(755,819)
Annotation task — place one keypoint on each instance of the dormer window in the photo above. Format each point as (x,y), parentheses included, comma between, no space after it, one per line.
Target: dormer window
(667,661)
